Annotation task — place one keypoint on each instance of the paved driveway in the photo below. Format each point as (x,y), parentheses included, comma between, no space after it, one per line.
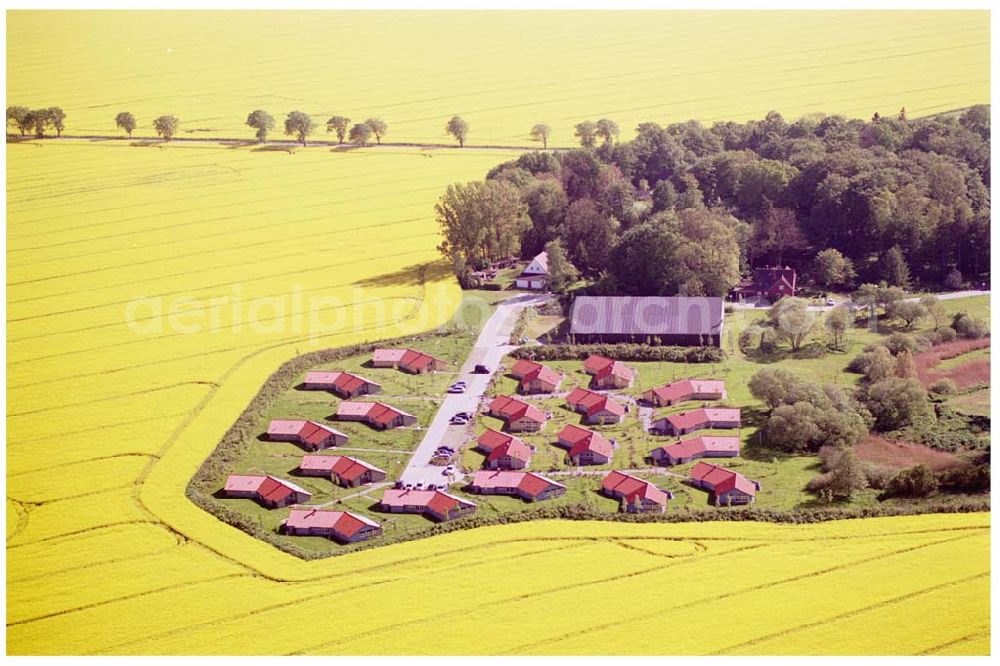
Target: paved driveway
(491,346)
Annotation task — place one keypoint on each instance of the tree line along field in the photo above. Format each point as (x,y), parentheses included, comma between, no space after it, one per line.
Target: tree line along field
(105,555)
(418,69)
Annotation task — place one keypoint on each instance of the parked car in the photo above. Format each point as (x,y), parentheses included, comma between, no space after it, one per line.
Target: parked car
(418,485)
(458,420)
(463,415)
(398,484)
(456,389)
(481,370)
(830,301)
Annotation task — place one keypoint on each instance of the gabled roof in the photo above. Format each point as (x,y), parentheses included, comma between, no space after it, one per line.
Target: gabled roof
(616,368)
(528,371)
(595,442)
(515,449)
(573,433)
(490,439)
(699,445)
(646,315)
(632,487)
(388,355)
(511,409)
(437,500)
(542,259)
(342,522)
(267,487)
(378,412)
(595,363)
(685,420)
(309,432)
(685,387)
(344,381)
(528,482)
(345,467)
(594,402)
(721,480)
(523,367)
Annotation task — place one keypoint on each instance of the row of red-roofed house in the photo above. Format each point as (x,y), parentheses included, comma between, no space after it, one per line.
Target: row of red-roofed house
(408,360)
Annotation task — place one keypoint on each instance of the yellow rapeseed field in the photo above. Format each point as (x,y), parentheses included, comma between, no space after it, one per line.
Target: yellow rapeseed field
(152,289)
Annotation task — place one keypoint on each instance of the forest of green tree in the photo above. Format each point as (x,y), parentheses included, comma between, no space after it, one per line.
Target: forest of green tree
(843,201)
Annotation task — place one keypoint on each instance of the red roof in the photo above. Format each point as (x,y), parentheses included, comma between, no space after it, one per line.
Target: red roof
(345,467)
(524,367)
(490,439)
(516,449)
(695,417)
(721,480)
(512,409)
(595,364)
(417,360)
(594,402)
(434,499)
(266,487)
(388,355)
(592,441)
(700,445)
(379,412)
(542,372)
(343,381)
(681,390)
(617,369)
(530,483)
(632,487)
(571,433)
(343,523)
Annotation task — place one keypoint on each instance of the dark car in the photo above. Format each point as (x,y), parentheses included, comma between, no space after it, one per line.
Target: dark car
(481,370)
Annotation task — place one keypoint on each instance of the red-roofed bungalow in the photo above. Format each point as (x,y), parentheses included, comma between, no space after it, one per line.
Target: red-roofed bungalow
(341,526)
(727,487)
(686,450)
(526,485)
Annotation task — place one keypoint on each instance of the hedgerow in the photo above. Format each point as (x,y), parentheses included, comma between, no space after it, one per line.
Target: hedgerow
(621,352)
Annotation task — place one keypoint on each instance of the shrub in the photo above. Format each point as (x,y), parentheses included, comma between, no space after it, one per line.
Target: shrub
(946,334)
(897,342)
(943,387)
(953,280)
(896,402)
(917,481)
(965,479)
(878,476)
(969,327)
(621,352)
(811,351)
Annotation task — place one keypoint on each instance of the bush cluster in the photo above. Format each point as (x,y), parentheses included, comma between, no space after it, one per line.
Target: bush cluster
(621,352)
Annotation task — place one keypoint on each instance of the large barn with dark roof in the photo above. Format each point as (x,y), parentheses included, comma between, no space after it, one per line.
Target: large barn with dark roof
(669,320)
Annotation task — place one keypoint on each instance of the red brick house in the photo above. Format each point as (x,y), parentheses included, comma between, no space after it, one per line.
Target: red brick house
(526,485)
(511,455)
(343,470)
(408,360)
(310,435)
(519,416)
(686,450)
(596,407)
(535,377)
(635,495)
(340,526)
(376,414)
(344,384)
(615,375)
(433,504)
(698,419)
(685,389)
(585,447)
(727,487)
(269,491)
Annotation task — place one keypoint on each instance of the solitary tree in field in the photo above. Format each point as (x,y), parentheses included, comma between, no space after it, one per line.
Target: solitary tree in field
(361,134)
(126,121)
(298,124)
(838,322)
(166,126)
(459,129)
(20,117)
(262,121)
(338,124)
(540,132)
(57,117)
(379,128)
(607,130)
(587,133)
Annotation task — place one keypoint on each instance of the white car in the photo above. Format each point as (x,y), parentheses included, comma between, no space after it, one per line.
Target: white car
(830,302)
